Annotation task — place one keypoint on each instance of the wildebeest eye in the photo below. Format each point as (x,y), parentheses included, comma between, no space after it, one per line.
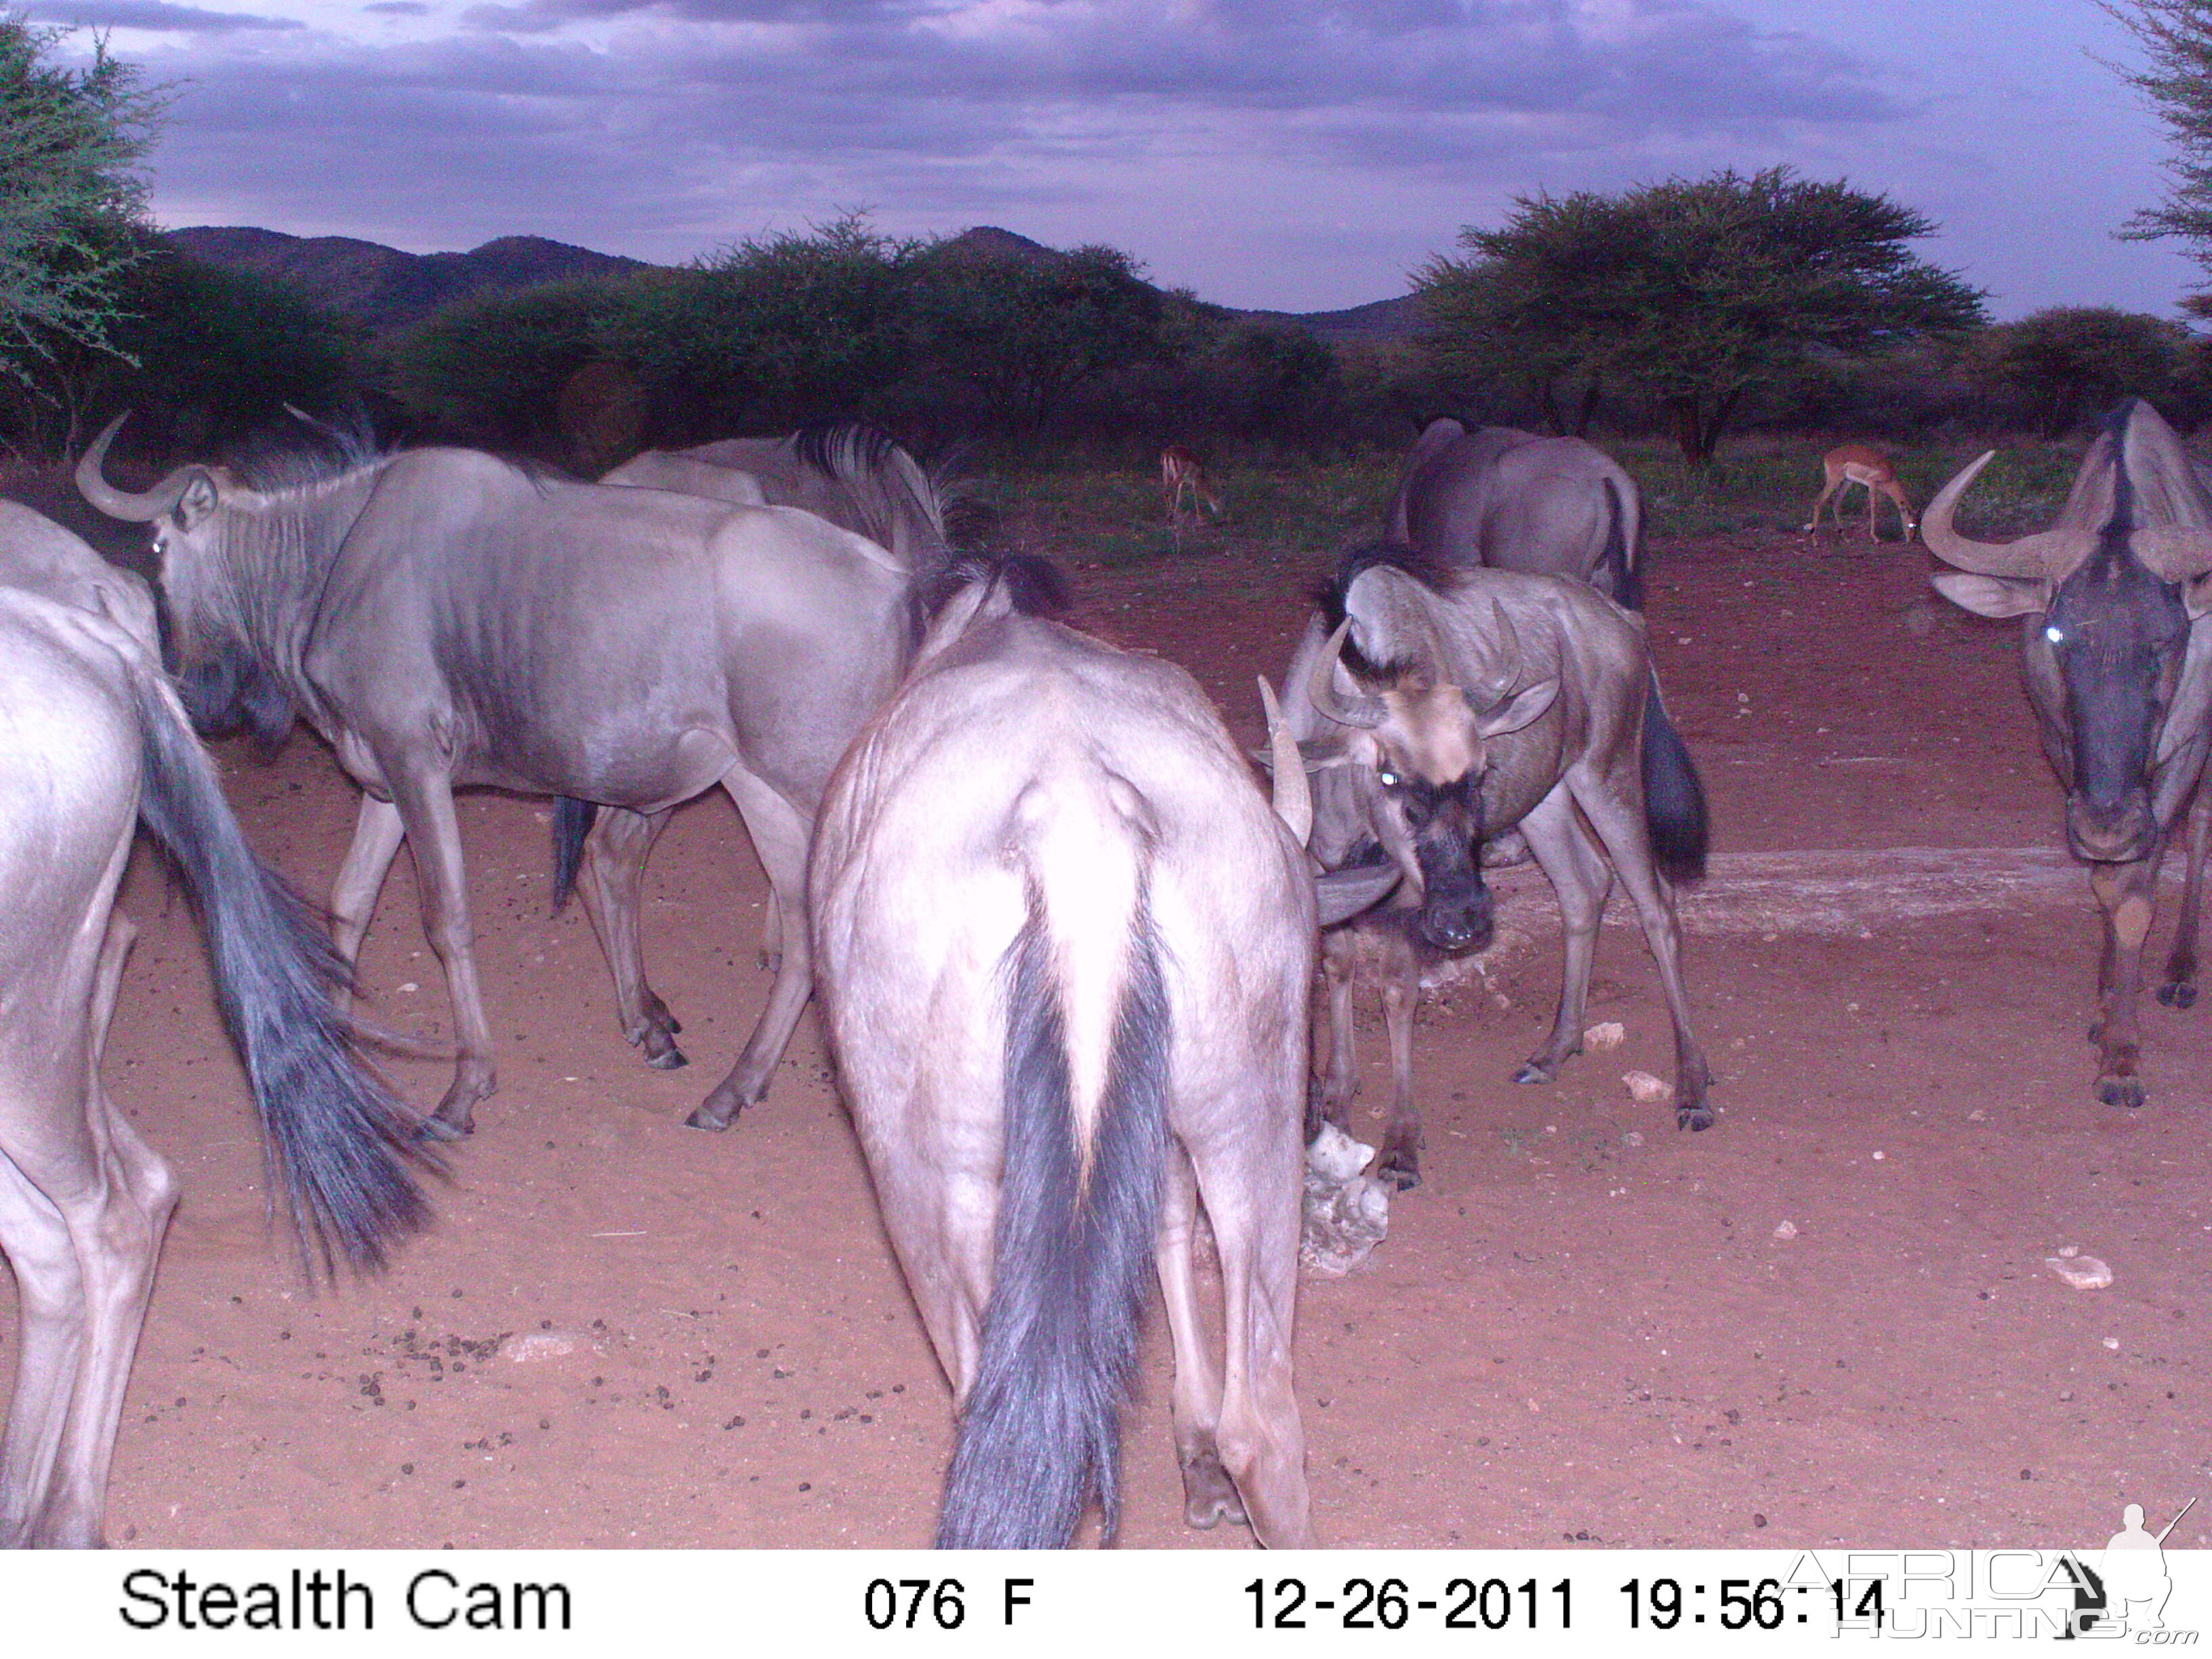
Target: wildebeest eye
(2054,634)
(1388,778)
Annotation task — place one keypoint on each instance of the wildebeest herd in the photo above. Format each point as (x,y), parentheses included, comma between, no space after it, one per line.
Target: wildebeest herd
(1063,943)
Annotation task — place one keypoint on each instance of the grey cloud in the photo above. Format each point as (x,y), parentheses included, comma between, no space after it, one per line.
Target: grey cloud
(155,15)
(399,8)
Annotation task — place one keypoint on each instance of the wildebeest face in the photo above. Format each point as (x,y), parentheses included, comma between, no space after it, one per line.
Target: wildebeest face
(1421,766)
(2109,655)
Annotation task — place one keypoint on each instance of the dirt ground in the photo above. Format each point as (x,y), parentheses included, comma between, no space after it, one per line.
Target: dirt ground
(1583,1328)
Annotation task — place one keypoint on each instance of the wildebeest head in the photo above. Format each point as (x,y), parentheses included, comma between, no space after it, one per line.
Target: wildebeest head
(1416,743)
(2108,596)
(226,686)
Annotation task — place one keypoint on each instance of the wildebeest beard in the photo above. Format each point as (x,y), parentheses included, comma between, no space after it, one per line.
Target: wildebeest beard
(1445,823)
(227,692)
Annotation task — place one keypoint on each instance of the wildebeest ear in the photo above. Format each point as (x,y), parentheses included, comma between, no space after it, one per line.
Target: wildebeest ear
(1341,895)
(2196,595)
(1517,711)
(1319,754)
(977,602)
(200,498)
(1994,596)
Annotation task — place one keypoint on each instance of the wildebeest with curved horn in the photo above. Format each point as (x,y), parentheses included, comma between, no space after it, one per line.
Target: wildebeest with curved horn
(1453,704)
(97,743)
(1509,500)
(445,619)
(1065,953)
(2118,655)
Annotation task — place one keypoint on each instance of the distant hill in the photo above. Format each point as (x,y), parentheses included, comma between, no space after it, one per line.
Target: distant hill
(382,287)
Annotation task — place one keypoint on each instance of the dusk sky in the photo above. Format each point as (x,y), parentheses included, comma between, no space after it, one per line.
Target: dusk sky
(1287,154)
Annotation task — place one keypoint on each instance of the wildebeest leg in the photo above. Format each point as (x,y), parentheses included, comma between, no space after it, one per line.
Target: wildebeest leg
(1619,825)
(425,805)
(2127,894)
(1208,1494)
(610,883)
(1251,1185)
(2179,990)
(781,833)
(771,949)
(377,832)
(1330,1099)
(1575,867)
(83,1204)
(1400,1162)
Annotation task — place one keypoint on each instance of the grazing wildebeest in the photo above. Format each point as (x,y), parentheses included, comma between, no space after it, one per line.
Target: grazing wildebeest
(2113,599)
(1873,470)
(1066,952)
(96,743)
(1512,501)
(1452,704)
(445,619)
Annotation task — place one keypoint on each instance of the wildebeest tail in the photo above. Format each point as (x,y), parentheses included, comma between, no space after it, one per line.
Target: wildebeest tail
(1674,798)
(1622,562)
(572,825)
(1041,1430)
(339,1144)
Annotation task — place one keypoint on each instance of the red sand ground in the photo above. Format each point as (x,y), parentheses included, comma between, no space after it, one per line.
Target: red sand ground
(1568,1336)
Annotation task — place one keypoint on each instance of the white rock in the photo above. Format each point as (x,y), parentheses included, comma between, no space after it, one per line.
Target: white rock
(2114,1343)
(1645,1089)
(2069,1250)
(1608,1034)
(1634,1138)
(540,1345)
(2083,1273)
(1786,1229)
(1335,1157)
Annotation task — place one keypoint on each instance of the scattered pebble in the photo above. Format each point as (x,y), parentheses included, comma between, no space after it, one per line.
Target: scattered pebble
(540,1345)
(1634,1138)
(2083,1273)
(1786,1229)
(1879,1156)
(1608,1033)
(2069,1250)
(2114,1343)
(410,986)
(1645,1089)
(1977,1116)
(1346,1214)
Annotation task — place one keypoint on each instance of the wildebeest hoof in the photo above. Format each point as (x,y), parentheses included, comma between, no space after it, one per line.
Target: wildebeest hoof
(2179,994)
(703,1118)
(1399,1170)
(1699,1117)
(1533,1072)
(1209,1496)
(671,1058)
(434,1129)
(2126,1092)
(771,960)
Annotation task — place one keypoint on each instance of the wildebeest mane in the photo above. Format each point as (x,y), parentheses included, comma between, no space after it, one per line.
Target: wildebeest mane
(1036,585)
(1330,596)
(864,462)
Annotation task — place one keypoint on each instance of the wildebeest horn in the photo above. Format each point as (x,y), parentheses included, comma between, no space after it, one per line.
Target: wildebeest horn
(2043,555)
(122,503)
(1365,713)
(1293,800)
(2174,556)
(1503,671)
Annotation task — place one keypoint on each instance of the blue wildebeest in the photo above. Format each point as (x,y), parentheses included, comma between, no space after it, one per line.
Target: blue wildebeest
(1512,501)
(2118,656)
(445,619)
(1066,952)
(1453,704)
(1499,499)
(96,743)
(860,480)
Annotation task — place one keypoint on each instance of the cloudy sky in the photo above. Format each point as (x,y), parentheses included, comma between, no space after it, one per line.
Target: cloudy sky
(1291,153)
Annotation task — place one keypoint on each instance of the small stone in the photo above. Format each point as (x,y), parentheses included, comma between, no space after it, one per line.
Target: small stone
(2114,1343)
(1785,1229)
(1608,1033)
(410,986)
(1879,1156)
(2083,1273)
(1977,1116)
(540,1345)
(1634,1138)
(1645,1089)
(2069,1251)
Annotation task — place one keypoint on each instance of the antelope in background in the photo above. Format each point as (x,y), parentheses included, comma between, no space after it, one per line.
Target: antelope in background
(1874,472)
(1182,473)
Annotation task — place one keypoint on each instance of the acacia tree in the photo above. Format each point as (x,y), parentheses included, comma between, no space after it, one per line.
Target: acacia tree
(2175,36)
(2070,361)
(72,202)
(1692,292)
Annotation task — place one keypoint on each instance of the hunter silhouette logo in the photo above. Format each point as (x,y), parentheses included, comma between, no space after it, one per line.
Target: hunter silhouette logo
(2134,1581)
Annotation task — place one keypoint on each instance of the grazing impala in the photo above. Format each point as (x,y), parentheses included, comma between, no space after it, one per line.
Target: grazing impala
(1868,467)
(1180,472)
